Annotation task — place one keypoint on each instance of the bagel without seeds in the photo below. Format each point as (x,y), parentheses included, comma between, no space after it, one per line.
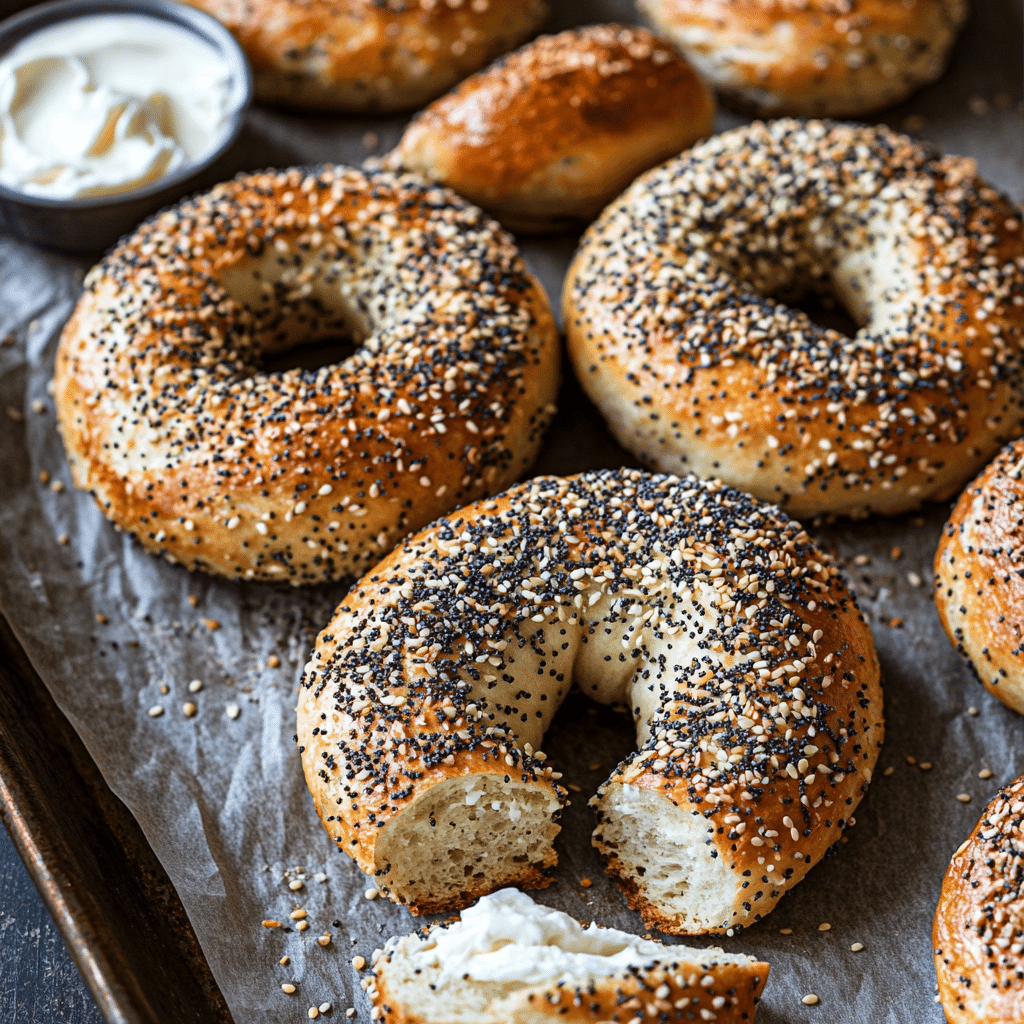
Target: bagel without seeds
(555,131)
(978,934)
(751,676)
(823,58)
(512,961)
(304,475)
(979,576)
(674,333)
(370,55)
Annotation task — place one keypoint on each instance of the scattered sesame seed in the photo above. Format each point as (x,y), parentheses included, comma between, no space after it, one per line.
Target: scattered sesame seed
(358,962)
(371,894)
(586,883)
(964,798)
(301,926)
(320,876)
(38,406)
(156,711)
(189,709)
(195,686)
(350,1012)
(298,914)
(895,623)
(295,885)
(785,931)
(233,710)
(910,759)
(824,927)
(370,140)
(925,766)
(325,1007)
(312,1012)
(896,554)
(211,624)
(914,579)
(287,988)
(271,923)
(164,688)
(889,771)
(862,560)
(193,600)
(273,661)
(856,947)
(985,773)
(973,711)
(285,961)
(810,1000)
(325,939)
(63,539)
(14,415)
(101,618)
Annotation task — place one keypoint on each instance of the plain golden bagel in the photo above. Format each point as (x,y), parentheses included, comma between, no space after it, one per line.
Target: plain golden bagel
(751,676)
(678,330)
(978,932)
(979,576)
(556,130)
(303,475)
(815,58)
(370,55)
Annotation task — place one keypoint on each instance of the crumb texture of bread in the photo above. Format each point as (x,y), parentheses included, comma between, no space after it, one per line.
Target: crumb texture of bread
(511,961)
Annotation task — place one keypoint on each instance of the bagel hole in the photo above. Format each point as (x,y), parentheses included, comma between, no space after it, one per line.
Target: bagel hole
(824,310)
(310,355)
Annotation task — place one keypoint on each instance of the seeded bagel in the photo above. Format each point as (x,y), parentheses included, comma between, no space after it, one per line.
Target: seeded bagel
(978,933)
(979,576)
(823,58)
(303,475)
(556,130)
(751,676)
(674,332)
(370,55)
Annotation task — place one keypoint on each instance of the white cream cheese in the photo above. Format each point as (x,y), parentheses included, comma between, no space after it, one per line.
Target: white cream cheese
(104,104)
(508,937)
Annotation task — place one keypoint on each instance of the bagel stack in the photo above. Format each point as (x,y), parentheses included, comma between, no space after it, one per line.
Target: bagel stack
(677,326)
(370,55)
(511,961)
(750,673)
(978,933)
(819,58)
(303,476)
(553,132)
(979,576)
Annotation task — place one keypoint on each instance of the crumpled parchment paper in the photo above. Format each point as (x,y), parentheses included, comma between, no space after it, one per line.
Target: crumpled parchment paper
(116,634)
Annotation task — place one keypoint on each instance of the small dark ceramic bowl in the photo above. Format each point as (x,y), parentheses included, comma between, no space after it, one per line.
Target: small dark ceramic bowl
(92,225)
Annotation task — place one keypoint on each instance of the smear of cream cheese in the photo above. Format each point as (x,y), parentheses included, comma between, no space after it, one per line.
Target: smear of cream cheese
(507,937)
(104,104)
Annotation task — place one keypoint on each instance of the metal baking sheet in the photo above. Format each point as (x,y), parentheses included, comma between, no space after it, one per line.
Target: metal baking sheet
(114,633)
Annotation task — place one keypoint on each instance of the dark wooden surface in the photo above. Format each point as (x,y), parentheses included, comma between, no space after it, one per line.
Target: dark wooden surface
(39,983)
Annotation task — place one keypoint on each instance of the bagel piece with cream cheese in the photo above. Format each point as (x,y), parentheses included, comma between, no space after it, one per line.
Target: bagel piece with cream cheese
(509,960)
(750,673)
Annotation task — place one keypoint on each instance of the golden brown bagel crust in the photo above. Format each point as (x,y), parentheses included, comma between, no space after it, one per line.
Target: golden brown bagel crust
(978,934)
(979,576)
(672,335)
(303,475)
(556,130)
(362,55)
(751,674)
(821,58)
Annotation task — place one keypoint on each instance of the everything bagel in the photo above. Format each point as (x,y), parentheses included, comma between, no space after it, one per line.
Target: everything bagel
(303,475)
(751,676)
(674,333)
